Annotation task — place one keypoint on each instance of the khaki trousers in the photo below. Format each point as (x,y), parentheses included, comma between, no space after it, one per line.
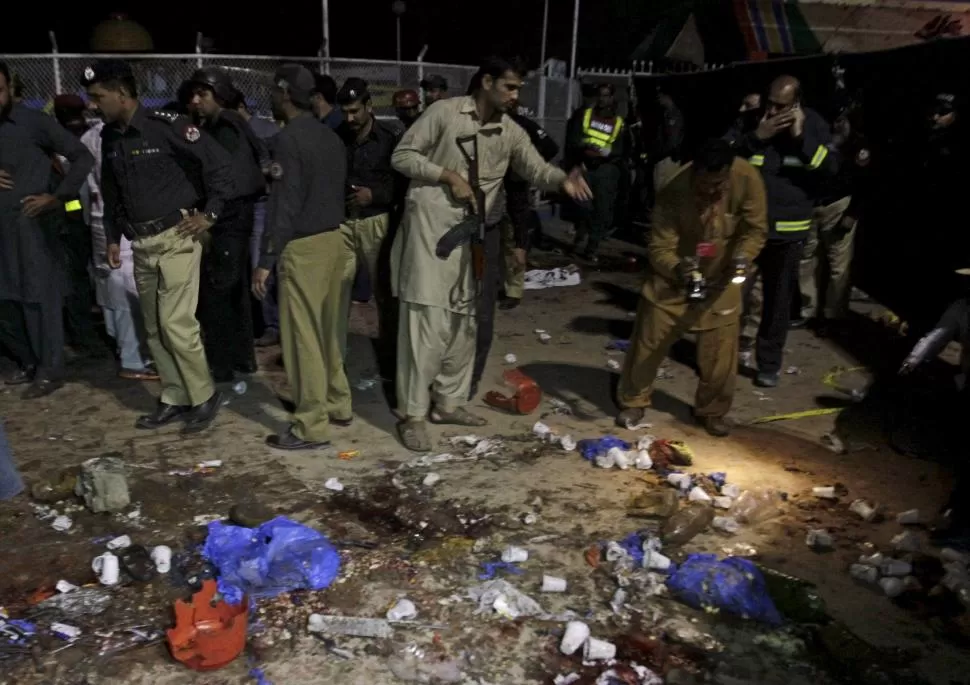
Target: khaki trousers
(654,333)
(311,288)
(828,254)
(167,277)
(363,240)
(435,359)
(513,273)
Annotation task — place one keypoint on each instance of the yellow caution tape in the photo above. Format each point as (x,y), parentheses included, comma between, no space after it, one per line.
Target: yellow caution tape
(796,415)
(831,377)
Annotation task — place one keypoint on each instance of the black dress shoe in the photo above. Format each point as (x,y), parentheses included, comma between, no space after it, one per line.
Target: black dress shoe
(42,387)
(22,376)
(164,414)
(199,418)
(797,324)
(248,368)
(342,423)
(510,303)
(289,442)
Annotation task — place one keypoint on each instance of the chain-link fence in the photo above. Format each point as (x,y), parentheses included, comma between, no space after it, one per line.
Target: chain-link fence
(159,77)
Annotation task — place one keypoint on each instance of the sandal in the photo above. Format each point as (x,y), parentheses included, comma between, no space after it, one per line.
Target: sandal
(414,435)
(631,418)
(459,417)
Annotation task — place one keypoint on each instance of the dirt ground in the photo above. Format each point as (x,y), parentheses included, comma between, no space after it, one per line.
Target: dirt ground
(575,504)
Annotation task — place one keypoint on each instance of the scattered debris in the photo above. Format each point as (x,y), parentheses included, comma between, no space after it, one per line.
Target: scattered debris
(103,484)
(349,625)
(404,610)
(819,539)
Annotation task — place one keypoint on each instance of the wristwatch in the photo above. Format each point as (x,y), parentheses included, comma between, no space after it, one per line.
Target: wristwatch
(211,216)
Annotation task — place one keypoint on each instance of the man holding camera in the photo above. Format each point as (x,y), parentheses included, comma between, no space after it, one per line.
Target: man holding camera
(709,223)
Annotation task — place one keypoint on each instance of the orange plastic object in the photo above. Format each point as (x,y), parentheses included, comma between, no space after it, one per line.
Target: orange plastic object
(527,395)
(208,635)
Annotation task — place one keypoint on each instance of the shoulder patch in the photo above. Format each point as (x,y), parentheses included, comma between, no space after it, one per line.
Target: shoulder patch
(192,134)
(276,171)
(164,115)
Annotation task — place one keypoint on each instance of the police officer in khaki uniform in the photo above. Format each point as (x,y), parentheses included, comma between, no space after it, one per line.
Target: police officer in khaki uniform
(371,195)
(306,208)
(164,183)
(709,222)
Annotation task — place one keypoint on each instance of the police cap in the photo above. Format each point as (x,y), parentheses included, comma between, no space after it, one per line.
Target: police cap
(353,90)
(435,82)
(107,70)
(297,81)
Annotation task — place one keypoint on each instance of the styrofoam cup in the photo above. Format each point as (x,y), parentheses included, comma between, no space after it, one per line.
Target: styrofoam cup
(162,556)
(907,518)
(598,650)
(107,568)
(553,584)
(120,542)
(514,555)
(656,561)
(576,634)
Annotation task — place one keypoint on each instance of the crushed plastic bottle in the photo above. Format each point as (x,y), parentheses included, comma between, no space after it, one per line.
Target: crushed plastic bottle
(754,506)
(687,523)
(240,388)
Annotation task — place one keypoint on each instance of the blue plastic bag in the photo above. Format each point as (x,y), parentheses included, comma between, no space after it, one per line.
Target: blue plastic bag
(734,585)
(279,556)
(594,447)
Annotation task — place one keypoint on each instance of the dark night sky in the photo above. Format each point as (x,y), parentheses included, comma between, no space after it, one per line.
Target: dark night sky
(358,28)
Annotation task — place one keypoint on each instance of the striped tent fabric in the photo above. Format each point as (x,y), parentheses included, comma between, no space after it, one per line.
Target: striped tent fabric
(773,27)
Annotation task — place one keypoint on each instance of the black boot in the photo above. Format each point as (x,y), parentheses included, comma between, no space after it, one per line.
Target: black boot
(199,418)
(164,414)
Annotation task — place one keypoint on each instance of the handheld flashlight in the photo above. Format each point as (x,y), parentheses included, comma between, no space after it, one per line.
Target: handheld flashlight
(740,271)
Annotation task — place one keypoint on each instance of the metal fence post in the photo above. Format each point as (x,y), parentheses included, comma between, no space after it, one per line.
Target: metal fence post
(198,50)
(420,61)
(55,60)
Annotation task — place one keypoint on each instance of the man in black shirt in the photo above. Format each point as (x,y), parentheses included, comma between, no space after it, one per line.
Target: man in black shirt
(371,184)
(225,311)
(306,208)
(32,283)
(165,183)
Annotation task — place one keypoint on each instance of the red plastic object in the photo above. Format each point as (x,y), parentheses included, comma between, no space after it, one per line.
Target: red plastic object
(527,395)
(208,635)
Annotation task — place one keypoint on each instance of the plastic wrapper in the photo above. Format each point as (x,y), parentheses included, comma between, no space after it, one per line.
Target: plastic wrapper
(733,585)
(278,556)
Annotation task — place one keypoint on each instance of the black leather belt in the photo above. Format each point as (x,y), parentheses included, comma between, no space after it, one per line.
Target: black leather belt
(146,229)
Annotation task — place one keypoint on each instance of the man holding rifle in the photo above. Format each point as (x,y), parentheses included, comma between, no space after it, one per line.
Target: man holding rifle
(456,156)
